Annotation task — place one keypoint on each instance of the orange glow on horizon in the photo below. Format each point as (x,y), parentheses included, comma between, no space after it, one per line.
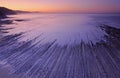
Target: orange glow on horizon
(56,9)
(42,6)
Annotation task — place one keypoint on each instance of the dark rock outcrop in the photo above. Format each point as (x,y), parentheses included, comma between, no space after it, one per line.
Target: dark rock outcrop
(2,15)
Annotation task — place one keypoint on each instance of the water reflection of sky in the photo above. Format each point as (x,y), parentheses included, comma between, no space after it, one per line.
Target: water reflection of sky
(65,28)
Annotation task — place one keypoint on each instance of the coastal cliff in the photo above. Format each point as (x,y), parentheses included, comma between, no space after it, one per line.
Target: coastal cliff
(5,11)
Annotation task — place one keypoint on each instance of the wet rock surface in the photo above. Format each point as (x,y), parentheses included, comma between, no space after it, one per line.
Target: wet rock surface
(33,59)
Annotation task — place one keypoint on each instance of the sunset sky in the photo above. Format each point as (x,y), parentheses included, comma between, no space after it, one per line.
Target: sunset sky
(63,5)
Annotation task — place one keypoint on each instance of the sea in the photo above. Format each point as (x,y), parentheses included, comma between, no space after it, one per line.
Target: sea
(56,45)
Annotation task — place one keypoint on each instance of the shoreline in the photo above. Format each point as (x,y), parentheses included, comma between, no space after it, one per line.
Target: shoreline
(31,58)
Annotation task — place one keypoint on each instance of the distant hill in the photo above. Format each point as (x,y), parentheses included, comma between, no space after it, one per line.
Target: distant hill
(18,11)
(5,11)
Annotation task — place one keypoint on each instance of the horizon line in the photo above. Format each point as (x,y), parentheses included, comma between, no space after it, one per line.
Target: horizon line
(74,12)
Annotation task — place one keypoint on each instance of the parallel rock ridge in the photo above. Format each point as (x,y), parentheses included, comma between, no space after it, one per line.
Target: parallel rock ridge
(33,59)
(50,60)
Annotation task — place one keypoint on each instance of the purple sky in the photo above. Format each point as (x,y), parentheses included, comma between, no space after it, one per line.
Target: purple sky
(64,5)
